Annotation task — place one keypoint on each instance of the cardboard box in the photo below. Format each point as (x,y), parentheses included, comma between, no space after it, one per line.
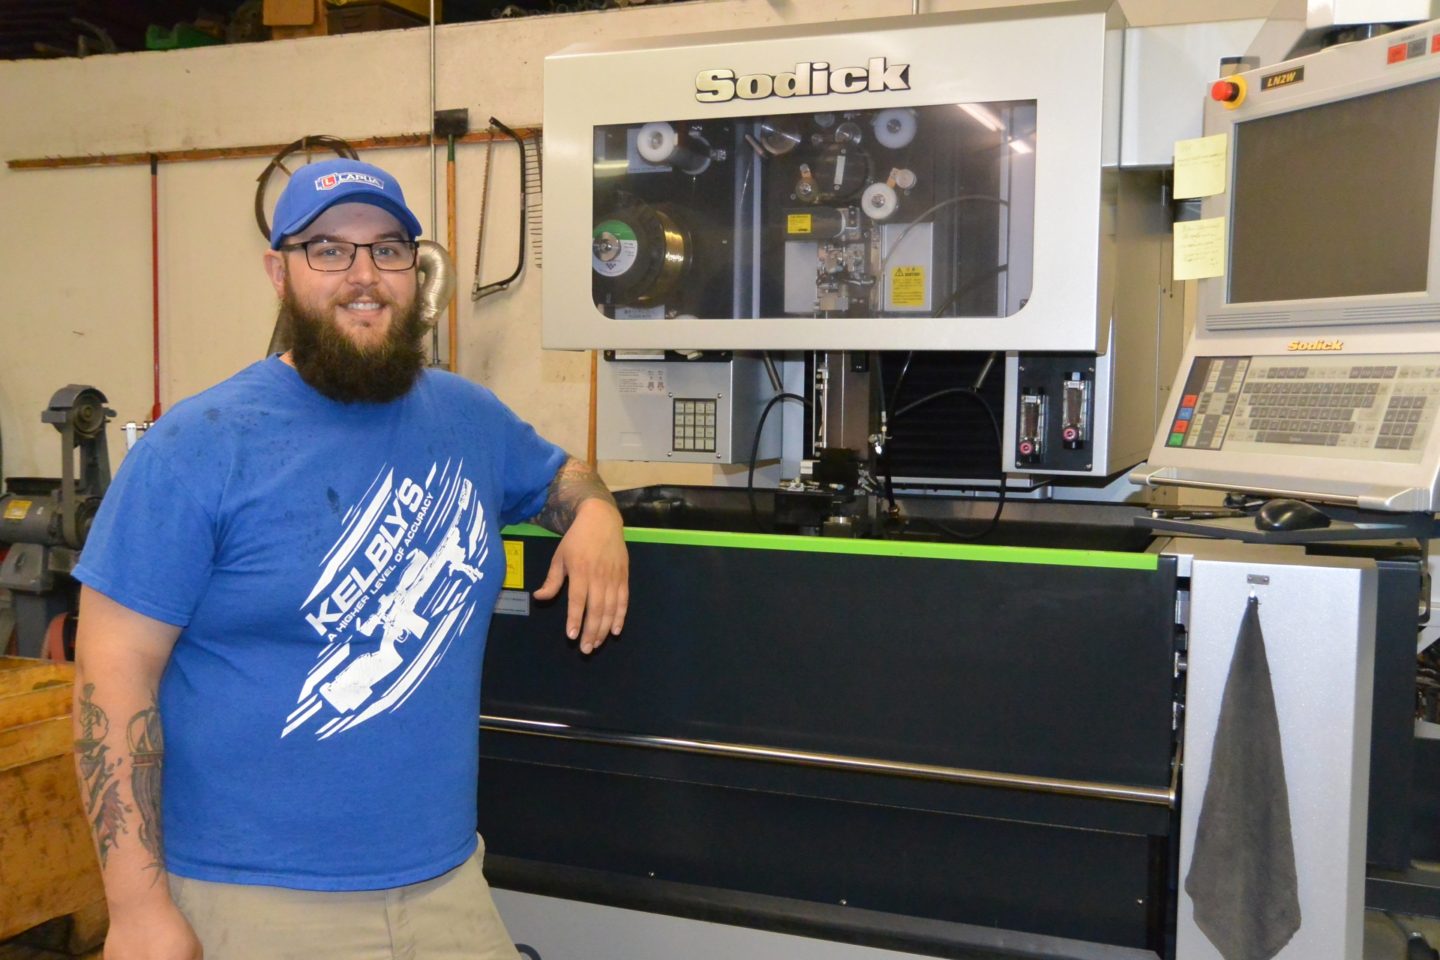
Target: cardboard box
(420,8)
(291,13)
(367,15)
(288,19)
(48,866)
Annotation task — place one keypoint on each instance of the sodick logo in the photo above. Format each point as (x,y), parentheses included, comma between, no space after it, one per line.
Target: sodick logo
(1309,346)
(810,79)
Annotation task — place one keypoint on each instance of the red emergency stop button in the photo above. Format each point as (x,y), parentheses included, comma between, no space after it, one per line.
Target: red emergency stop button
(1230,92)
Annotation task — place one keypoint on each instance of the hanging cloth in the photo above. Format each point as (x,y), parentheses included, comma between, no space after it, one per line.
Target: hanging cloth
(1242,873)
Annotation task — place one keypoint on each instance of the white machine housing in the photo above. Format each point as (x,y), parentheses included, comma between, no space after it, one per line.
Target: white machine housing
(1338,287)
(1066,59)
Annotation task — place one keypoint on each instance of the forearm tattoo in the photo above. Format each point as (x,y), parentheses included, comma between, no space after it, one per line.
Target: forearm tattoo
(574,483)
(147,759)
(103,807)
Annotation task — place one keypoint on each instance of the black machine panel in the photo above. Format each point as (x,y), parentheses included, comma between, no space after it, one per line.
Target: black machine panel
(1067,674)
(1055,419)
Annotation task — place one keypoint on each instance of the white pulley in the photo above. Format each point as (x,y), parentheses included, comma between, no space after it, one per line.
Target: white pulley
(660,143)
(657,141)
(895,128)
(879,201)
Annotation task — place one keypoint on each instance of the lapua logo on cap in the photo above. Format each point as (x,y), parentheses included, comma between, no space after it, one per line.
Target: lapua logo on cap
(811,79)
(332,180)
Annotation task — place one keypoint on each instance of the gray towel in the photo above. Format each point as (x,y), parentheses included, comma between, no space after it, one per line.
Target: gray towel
(1242,874)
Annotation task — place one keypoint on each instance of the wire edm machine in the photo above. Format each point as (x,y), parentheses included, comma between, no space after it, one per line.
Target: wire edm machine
(890,262)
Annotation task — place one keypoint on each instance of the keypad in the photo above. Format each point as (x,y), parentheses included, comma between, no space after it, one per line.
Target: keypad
(693,425)
(1234,402)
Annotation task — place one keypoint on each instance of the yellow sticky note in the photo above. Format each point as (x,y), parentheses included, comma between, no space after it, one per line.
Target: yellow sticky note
(1200,249)
(514,565)
(1200,166)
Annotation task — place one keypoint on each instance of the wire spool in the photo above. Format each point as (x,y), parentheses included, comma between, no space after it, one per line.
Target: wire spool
(639,255)
(895,128)
(661,143)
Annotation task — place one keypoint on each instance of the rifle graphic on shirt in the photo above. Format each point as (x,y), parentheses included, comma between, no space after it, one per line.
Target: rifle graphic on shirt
(395,591)
(396,615)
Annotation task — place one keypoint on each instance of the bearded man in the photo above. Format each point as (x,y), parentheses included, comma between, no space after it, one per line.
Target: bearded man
(292,576)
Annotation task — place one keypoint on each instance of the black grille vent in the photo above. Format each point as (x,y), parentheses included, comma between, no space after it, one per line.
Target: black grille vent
(949,438)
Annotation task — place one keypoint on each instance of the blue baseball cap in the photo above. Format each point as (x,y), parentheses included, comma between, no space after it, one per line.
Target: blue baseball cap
(316,187)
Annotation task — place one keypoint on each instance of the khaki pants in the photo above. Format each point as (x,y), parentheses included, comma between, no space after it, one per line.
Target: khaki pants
(451,917)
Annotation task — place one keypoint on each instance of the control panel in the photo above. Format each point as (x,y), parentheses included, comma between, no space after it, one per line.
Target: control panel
(1376,407)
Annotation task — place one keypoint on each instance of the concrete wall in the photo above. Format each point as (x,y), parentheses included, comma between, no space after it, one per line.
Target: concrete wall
(75,245)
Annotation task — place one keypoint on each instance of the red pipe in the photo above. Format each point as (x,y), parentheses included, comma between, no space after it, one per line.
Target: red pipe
(155,276)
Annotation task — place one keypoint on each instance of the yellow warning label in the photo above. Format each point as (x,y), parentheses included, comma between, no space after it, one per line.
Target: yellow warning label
(907,287)
(798,223)
(514,565)
(17,509)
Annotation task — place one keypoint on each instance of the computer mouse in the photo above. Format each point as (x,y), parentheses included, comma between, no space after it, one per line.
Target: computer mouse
(1286,514)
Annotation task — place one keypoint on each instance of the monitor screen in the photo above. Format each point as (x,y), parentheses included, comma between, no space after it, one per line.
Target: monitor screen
(1335,200)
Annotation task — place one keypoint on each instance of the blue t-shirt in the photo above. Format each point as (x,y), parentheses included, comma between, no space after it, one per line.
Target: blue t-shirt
(333,568)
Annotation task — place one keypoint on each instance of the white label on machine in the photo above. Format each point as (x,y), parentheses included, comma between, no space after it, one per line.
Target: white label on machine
(515,603)
(642,381)
(639,313)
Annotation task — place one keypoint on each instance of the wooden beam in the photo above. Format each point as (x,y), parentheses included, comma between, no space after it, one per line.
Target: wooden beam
(267,150)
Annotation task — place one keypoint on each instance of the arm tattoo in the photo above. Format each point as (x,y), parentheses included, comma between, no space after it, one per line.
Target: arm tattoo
(574,483)
(103,807)
(147,758)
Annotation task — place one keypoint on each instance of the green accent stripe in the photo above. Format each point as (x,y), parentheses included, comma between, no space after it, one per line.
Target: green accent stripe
(873,548)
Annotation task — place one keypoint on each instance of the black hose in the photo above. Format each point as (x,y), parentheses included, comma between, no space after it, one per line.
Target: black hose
(755,450)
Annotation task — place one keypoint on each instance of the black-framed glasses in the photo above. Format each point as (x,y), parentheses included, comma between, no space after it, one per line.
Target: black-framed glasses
(332,256)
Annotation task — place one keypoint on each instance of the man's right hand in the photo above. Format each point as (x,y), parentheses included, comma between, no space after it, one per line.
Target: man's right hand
(159,932)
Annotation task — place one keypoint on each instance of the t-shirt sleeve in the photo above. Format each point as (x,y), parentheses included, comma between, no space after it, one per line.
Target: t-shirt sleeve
(530,464)
(152,546)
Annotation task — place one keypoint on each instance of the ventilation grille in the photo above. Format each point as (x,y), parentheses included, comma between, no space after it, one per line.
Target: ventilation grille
(1350,316)
(949,438)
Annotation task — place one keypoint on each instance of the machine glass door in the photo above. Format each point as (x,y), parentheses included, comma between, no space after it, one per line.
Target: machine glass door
(909,211)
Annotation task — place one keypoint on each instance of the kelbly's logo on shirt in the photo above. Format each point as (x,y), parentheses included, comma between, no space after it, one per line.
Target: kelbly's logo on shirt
(392,594)
(332,180)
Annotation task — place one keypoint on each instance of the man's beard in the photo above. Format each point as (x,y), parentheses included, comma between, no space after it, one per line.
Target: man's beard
(342,370)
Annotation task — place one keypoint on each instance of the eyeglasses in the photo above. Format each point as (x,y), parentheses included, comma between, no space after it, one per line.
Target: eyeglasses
(333,256)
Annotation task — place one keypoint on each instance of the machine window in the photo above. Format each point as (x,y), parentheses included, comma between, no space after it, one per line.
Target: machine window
(868,213)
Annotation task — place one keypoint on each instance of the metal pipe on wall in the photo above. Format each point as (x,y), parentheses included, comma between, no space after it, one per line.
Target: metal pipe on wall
(452,352)
(155,282)
(434,217)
